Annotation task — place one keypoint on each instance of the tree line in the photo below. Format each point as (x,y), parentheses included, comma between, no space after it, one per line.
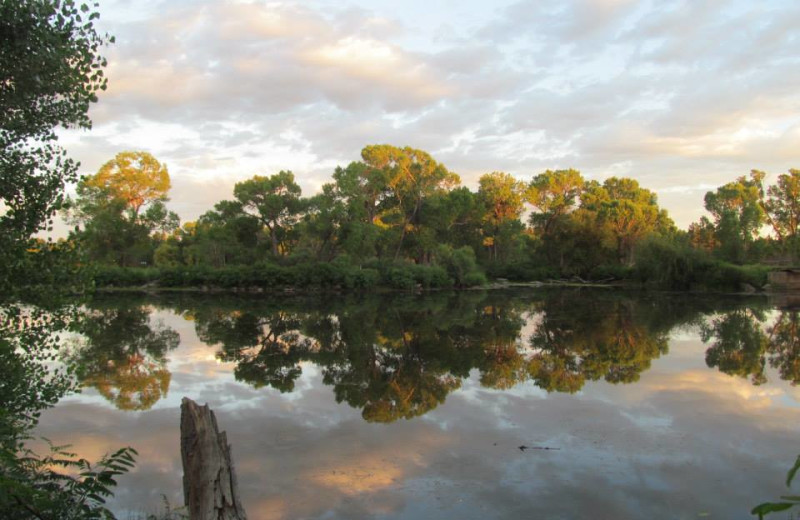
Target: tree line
(398,207)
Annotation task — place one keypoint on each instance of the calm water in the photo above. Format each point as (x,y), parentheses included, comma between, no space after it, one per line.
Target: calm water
(649,405)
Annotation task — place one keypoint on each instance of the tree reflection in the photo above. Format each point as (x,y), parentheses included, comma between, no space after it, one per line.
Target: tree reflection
(739,344)
(123,356)
(784,346)
(592,339)
(267,349)
(401,357)
(743,341)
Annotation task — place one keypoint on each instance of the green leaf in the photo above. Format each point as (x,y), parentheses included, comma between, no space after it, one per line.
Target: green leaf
(770,507)
(792,472)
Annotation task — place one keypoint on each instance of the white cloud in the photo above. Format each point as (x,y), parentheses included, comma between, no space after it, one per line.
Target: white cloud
(676,93)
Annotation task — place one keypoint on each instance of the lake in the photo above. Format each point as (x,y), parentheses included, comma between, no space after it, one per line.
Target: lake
(560,403)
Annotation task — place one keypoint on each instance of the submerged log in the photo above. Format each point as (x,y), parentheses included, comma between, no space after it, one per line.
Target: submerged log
(209,482)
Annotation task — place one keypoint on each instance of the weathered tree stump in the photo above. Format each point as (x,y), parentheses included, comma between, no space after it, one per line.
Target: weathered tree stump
(209,481)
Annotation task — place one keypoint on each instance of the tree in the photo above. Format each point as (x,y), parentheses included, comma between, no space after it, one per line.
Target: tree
(135,178)
(121,207)
(632,213)
(782,207)
(411,176)
(553,194)
(502,198)
(702,235)
(274,201)
(220,237)
(50,72)
(738,215)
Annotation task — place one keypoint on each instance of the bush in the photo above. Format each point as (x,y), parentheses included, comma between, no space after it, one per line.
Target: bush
(523,272)
(462,266)
(679,266)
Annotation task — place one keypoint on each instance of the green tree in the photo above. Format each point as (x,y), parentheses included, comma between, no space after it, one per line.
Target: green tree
(411,176)
(275,202)
(221,237)
(553,194)
(502,198)
(121,207)
(782,207)
(50,72)
(738,215)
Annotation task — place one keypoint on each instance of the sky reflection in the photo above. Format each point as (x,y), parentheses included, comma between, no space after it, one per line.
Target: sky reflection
(682,441)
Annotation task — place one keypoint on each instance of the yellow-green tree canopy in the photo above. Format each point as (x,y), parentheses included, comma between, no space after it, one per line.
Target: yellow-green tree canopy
(553,194)
(135,178)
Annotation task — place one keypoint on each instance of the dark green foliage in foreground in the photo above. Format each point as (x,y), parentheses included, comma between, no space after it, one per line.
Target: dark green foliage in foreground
(50,72)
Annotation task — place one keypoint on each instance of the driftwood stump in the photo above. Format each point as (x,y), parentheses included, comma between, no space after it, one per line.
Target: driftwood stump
(209,482)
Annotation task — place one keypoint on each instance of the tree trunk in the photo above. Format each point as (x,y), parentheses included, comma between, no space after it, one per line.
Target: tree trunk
(209,481)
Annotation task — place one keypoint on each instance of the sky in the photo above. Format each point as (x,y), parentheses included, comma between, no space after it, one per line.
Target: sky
(682,96)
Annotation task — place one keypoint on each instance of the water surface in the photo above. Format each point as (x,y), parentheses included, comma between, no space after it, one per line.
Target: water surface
(501,404)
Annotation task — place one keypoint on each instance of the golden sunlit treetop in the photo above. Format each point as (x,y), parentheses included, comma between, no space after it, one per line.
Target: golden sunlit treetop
(133,177)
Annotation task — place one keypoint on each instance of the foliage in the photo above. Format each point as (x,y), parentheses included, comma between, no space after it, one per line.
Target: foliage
(738,215)
(50,72)
(402,214)
(501,196)
(275,202)
(135,179)
(121,207)
(677,265)
(34,488)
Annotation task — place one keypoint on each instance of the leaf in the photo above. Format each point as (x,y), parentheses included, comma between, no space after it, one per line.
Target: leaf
(792,472)
(770,507)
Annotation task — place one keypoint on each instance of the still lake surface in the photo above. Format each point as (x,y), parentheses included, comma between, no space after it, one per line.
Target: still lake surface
(563,403)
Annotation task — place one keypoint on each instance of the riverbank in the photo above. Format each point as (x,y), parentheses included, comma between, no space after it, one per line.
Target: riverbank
(391,277)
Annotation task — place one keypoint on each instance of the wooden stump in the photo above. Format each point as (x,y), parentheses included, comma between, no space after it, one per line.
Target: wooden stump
(209,481)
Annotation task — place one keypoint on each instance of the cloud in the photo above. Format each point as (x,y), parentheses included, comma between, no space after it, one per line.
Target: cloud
(678,92)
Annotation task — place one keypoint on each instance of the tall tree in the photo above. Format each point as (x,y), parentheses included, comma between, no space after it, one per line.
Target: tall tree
(631,212)
(135,178)
(121,206)
(738,215)
(50,72)
(782,207)
(502,198)
(274,201)
(412,176)
(553,194)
